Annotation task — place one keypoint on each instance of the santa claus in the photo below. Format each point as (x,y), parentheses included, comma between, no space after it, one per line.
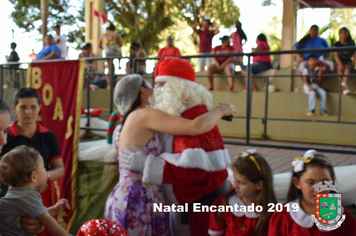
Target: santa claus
(193,169)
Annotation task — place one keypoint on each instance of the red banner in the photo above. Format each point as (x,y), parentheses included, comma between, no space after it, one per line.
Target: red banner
(60,85)
(326,3)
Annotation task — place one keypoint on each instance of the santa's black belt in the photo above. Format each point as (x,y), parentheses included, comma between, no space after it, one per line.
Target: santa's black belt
(207,199)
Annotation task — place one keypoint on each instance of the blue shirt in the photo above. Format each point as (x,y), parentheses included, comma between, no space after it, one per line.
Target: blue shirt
(46,50)
(313,43)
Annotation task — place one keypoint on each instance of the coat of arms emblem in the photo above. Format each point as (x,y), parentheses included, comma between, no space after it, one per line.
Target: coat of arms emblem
(328,207)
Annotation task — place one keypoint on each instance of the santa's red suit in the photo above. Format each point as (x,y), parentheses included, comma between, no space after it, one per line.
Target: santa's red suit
(197,167)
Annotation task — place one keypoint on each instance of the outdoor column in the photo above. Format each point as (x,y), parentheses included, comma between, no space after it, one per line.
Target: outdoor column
(288,31)
(92,27)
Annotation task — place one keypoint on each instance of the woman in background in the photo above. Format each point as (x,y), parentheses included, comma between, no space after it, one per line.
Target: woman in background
(345,60)
(237,41)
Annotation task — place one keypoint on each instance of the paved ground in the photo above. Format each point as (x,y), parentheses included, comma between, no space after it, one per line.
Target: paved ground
(280,159)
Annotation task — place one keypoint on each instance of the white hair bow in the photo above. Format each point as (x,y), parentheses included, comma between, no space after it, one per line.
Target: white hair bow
(247,153)
(298,162)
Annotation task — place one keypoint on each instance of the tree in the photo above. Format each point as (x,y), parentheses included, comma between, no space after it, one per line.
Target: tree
(27,14)
(145,20)
(141,21)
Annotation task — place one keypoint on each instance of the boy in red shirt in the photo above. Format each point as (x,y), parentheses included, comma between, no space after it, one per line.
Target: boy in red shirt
(205,39)
(222,63)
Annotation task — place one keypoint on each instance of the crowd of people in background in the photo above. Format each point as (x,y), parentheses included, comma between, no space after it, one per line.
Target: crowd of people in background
(312,71)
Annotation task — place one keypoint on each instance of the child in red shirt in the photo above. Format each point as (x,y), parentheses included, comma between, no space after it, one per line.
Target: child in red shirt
(253,186)
(308,170)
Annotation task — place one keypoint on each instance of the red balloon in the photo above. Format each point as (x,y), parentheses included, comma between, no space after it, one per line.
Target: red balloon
(100,227)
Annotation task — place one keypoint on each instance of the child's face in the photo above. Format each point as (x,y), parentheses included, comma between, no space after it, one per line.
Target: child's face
(4,125)
(41,173)
(311,176)
(312,62)
(245,189)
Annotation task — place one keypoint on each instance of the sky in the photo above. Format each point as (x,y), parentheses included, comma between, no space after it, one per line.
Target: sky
(248,12)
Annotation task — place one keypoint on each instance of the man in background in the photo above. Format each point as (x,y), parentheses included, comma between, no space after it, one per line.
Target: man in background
(13,57)
(60,41)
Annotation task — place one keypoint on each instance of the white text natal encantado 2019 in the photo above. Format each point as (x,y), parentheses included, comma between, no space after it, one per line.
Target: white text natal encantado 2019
(198,207)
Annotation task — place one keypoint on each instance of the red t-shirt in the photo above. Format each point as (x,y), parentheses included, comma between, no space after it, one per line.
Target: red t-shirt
(231,224)
(266,58)
(219,50)
(205,39)
(166,52)
(282,224)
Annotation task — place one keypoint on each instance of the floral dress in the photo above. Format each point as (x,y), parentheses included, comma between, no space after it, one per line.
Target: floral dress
(130,204)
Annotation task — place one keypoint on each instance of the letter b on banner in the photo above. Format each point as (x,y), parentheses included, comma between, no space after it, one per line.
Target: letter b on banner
(36,82)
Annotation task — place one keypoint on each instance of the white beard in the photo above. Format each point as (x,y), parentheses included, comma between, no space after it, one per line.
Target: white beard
(176,94)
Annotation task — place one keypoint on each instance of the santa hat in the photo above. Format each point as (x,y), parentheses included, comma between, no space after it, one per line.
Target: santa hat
(173,68)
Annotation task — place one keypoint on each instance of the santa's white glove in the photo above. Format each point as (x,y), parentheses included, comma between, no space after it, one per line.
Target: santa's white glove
(133,160)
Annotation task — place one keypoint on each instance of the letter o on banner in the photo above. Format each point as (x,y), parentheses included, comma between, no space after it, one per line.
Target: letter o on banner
(47,94)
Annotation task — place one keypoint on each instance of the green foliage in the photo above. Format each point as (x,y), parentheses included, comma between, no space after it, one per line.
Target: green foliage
(140,21)
(145,21)
(27,13)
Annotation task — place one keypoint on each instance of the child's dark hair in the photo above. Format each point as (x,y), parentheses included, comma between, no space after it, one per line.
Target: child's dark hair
(262,37)
(312,56)
(26,92)
(13,45)
(247,167)
(4,108)
(320,161)
(17,166)
(305,39)
(240,31)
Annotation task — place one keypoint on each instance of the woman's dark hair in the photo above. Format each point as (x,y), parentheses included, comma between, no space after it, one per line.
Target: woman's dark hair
(248,168)
(26,92)
(320,161)
(4,108)
(87,45)
(262,37)
(135,105)
(111,27)
(240,31)
(306,38)
(349,38)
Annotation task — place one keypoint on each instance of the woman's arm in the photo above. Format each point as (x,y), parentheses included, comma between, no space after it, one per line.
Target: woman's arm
(226,63)
(52,55)
(215,60)
(160,121)
(119,40)
(337,58)
(57,169)
(257,49)
(52,225)
(299,56)
(31,226)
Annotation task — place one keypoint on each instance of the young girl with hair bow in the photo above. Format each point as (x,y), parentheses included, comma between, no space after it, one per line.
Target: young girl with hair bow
(253,186)
(308,170)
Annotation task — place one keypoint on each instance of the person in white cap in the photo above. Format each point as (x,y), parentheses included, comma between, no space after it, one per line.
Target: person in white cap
(197,167)
(131,202)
